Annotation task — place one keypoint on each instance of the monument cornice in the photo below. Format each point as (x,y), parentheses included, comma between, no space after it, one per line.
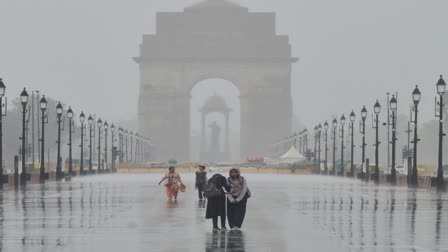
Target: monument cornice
(140,60)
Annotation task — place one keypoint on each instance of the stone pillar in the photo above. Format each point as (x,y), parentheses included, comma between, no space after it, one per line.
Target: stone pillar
(203,134)
(227,135)
(165,118)
(265,119)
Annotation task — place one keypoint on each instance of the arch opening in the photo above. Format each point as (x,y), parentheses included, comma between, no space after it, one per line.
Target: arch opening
(215,121)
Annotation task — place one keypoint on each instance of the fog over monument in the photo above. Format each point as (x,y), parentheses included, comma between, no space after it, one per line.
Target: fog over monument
(203,43)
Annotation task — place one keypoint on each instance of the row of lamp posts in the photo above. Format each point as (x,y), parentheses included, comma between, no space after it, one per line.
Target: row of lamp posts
(320,131)
(142,144)
(416,95)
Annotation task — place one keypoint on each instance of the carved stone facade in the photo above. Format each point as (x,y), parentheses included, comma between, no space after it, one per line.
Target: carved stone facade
(214,39)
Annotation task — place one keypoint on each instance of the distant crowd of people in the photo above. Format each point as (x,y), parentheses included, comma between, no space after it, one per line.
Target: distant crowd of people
(226,197)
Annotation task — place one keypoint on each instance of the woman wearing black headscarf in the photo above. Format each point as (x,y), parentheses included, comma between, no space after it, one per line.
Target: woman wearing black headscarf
(216,205)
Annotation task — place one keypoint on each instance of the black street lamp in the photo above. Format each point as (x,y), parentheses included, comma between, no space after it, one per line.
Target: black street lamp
(335,125)
(120,144)
(352,145)
(82,119)
(2,94)
(43,108)
(416,96)
(24,101)
(377,110)
(99,124)
(126,135)
(59,173)
(441,88)
(90,121)
(137,146)
(319,134)
(342,121)
(393,107)
(70,124)
(316,170)
(114,149)
(305,143)
(363,134)
(326,147)
(132,144)
(106,128)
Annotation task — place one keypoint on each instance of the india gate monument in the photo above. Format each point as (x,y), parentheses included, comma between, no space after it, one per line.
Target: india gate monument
(214,39)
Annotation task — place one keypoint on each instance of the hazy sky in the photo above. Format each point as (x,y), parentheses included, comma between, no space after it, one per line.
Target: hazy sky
(351,52)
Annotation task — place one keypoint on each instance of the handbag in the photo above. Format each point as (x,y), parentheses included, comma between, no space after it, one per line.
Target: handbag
(182,188)
(211,191)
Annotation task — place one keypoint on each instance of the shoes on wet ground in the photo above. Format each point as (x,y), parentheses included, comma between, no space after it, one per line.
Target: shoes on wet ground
(223,229)
(216,229)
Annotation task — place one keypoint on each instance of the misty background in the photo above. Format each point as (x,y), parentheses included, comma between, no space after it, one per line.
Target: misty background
(351,53)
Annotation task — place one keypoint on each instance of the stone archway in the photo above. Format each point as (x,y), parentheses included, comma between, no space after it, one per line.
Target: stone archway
(202,43)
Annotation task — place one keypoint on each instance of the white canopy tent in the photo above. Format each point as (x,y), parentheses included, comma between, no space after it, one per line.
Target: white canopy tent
(292,156)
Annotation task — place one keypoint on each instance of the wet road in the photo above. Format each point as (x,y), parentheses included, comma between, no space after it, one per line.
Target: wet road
(129,212)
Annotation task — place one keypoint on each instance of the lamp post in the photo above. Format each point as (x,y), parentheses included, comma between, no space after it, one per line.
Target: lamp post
(352,145)
(316,171)
(319,134)
(441,88)
(305,143)
(112,133)
(342,121)
(43,108)
(106,128)
(363,134)
(416,96)
(132,144)
(2,94)
(82,119)
(120,144)
(24,101)
(335,125)
(300,142)
(393,171)
(326,147)
(377,110)
(70,122)
(99,124)
(137,147)
(126,134)
(59,161)
(90,121)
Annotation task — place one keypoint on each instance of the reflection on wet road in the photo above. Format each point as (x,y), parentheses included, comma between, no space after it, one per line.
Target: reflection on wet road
(129,212)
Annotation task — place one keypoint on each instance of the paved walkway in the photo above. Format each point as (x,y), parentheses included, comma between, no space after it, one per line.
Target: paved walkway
(129,212)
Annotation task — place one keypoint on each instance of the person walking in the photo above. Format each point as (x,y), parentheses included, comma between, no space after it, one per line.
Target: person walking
(201,180)
(172,184)
(216,204)
(237,198)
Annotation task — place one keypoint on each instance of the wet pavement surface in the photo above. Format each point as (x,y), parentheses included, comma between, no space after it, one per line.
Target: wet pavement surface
(129,212)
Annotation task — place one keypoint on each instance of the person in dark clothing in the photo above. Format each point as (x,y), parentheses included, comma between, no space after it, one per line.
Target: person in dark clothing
(201,180)
(237,198)
(216,206)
